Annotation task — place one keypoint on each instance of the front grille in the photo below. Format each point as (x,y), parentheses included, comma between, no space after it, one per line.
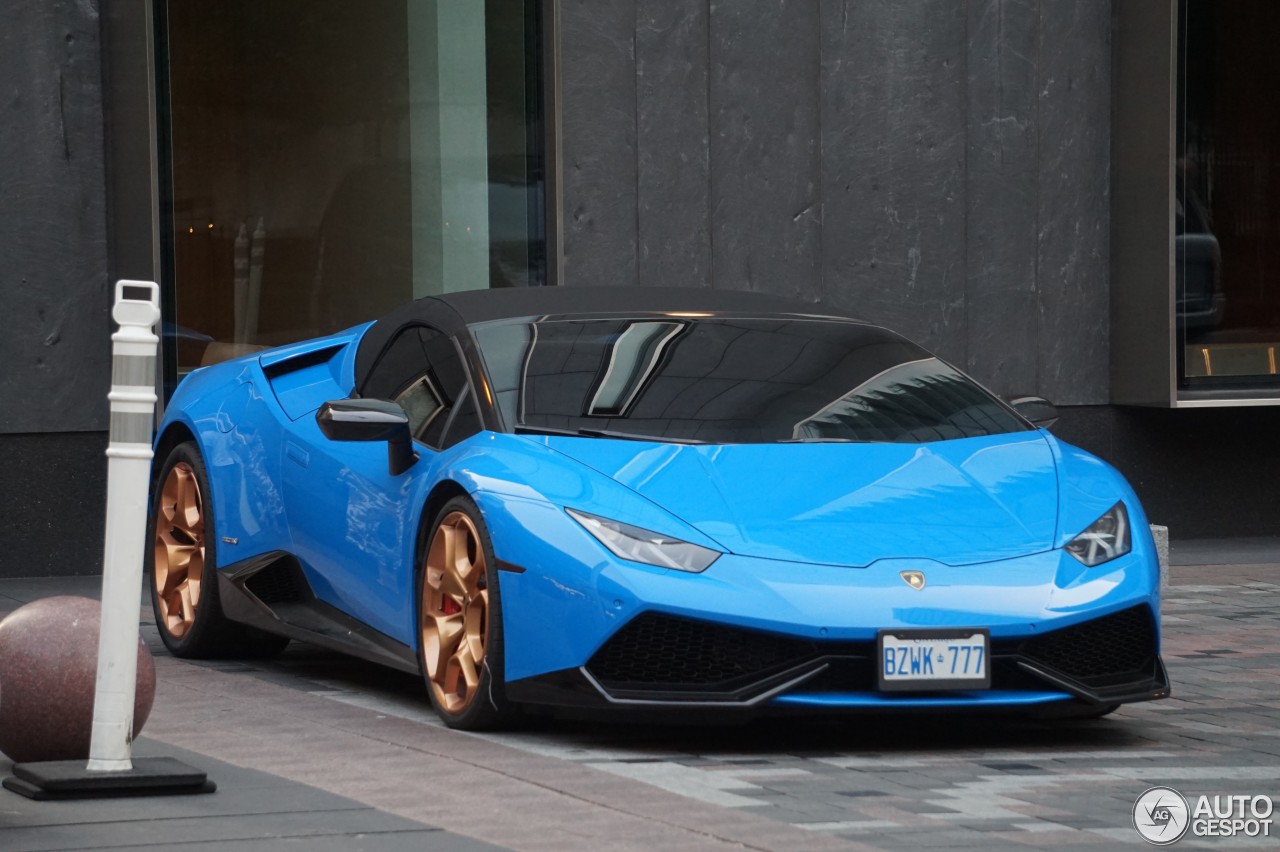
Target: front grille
(662,651)
(664,657)
(1123,643)
(844,674)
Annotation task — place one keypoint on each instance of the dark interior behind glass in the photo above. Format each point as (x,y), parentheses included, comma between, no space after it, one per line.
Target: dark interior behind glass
(730,380)
(331,160)
(1227,225)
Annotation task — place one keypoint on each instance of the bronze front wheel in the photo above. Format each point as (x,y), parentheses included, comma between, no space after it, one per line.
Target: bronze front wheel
(460,623)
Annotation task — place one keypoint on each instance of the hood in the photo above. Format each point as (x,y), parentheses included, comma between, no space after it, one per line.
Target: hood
(956,502)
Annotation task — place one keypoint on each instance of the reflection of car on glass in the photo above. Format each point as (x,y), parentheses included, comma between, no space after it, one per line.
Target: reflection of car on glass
(649,499)
(1197,263)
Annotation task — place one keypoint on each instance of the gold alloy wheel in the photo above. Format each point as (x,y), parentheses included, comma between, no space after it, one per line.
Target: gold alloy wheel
(455,612)
(179,549)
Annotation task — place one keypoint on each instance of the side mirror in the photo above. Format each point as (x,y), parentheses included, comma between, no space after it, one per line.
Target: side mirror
(370,420)
(1040,411)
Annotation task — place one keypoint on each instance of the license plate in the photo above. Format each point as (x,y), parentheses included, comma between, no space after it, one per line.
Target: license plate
(928,660)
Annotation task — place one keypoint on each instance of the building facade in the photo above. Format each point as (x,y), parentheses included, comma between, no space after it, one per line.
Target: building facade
(1066,198)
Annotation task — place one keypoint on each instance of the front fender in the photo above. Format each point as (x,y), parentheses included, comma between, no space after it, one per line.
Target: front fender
(511,466)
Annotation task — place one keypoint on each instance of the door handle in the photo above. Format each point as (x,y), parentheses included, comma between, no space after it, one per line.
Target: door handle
(300,456)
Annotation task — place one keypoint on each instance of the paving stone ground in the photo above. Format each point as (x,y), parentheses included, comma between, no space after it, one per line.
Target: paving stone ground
(922,782)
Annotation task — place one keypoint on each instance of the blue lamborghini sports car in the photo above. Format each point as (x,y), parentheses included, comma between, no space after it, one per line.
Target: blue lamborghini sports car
(650,499)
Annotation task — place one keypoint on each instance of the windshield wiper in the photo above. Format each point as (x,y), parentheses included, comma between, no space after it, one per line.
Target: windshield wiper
(820,441)
(588,432)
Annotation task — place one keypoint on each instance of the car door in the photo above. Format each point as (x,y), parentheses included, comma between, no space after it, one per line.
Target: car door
(354,523)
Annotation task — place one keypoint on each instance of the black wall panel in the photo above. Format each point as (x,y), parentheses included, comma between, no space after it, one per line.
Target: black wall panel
(1074,253)
(766,205)
(673,168)
(54,505)
(53,245)
(599,156)
(940,166)
(1002,201)
(894,157)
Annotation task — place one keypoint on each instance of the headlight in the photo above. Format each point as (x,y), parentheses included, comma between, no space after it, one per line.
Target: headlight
(1104,540)
(640,545)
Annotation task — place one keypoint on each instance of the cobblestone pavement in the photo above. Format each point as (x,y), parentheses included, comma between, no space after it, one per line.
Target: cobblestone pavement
(870,782)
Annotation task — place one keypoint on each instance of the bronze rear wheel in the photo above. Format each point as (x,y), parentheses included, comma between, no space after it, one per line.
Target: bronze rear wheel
(183,561)
(179,550)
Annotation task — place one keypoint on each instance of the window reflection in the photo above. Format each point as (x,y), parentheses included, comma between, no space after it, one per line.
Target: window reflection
(632,362)
(332,160)
(722,380)
(913,402)
(1227,183)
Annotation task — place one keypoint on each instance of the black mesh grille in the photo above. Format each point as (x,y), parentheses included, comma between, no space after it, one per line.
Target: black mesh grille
(279,582)
(656,650)
(658,653)
(844,674)
(1118,644)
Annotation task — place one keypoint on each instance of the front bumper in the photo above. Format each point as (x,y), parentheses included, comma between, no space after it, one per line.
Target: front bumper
(583,628)
(659,660)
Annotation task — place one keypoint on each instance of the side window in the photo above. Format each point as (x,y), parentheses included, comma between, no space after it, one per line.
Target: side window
(424,405)
(420,369)
(465,421)
(402,363)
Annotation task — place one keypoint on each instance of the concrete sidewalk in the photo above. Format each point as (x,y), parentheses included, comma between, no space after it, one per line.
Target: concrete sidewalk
(357,777)
(318,749)
(251,810)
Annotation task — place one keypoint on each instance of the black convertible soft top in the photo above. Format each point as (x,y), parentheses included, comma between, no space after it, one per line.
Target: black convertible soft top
(453,312)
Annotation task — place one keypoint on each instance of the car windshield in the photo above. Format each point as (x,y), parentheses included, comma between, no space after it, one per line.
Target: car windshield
(729,380)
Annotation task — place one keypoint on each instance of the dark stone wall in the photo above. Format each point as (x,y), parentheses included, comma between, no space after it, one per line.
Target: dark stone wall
(53,279)
(765,135)
(52,513)
(939,166)
(53,245)
(673,165)
(598,143)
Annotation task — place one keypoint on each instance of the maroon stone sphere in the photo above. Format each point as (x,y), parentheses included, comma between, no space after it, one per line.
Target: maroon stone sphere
(48,669)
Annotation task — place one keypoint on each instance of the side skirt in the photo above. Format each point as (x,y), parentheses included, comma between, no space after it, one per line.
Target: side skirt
(271,593)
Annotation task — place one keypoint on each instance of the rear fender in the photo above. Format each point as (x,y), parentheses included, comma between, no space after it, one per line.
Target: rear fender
(239,426)
(238,431)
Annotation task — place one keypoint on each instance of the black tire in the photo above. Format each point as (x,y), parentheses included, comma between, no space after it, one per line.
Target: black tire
(206,633)
(486,707)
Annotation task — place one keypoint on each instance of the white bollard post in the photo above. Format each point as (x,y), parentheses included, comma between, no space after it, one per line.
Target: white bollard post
(133,401)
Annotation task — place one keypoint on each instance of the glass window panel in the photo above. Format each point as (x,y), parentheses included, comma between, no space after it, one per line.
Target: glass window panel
(400,365)
(723,380)
(464,422)
(421,403)
(1227,226)
(332,159)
